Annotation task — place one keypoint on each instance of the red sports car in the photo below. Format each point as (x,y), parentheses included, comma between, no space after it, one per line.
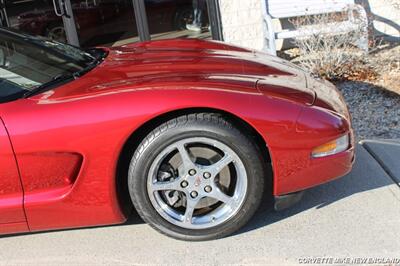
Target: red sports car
(190,133)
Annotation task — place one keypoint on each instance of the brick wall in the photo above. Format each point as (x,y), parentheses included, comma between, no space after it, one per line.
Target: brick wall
(242,21)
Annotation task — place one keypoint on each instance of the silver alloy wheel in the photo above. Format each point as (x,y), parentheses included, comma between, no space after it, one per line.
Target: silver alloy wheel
(205,199)
(57,34)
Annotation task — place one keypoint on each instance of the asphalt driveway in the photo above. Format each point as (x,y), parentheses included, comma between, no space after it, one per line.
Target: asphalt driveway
(357,216)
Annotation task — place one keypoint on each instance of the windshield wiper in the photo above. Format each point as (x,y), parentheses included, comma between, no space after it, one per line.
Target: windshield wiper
(61,79)
(57,80)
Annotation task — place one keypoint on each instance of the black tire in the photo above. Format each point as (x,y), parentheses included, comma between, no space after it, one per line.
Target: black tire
(206,125)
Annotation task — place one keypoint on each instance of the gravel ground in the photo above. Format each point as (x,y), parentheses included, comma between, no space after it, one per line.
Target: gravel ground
(375,111)
(373,98)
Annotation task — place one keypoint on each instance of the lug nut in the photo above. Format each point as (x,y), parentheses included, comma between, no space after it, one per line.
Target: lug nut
(184,184)
(194,194)
(207,175)
(192,172)
(208,189)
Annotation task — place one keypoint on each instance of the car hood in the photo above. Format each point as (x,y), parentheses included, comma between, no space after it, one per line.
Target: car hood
(191,64)
(210,64)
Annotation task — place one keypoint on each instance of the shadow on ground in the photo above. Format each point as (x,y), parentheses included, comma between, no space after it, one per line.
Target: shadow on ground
(367,175)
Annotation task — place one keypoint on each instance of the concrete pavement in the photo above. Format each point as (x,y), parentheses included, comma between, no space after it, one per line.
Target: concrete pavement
(355,216)
(387,153)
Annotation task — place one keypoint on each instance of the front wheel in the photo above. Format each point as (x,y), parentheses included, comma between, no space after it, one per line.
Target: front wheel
(197,177)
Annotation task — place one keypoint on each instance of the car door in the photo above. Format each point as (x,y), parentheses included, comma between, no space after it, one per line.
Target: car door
(11,193)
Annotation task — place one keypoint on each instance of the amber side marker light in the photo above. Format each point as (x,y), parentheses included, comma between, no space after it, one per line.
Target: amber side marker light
(333,147)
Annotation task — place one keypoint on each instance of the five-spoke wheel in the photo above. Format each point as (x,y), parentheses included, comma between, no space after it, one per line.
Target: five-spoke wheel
(197,183)
(197,177)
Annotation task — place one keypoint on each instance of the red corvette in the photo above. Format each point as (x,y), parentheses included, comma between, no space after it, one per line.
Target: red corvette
(190,133)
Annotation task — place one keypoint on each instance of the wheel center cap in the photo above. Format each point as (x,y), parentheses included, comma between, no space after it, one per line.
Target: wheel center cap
(197,181)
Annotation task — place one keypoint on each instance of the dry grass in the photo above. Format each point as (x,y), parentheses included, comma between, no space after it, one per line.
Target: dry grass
(391,81)
(387,64)
(334,57)
(337,58)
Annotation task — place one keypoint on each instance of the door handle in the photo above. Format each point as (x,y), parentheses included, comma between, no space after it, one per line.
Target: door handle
(59,12)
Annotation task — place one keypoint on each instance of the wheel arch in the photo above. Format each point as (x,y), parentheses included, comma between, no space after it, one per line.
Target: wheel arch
(140,133)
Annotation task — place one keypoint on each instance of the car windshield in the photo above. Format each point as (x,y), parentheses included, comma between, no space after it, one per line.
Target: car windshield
(28,63)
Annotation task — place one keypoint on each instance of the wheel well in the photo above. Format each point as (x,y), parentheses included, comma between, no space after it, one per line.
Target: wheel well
(138,135)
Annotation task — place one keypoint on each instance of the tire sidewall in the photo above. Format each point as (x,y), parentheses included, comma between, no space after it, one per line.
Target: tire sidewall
(230,136)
